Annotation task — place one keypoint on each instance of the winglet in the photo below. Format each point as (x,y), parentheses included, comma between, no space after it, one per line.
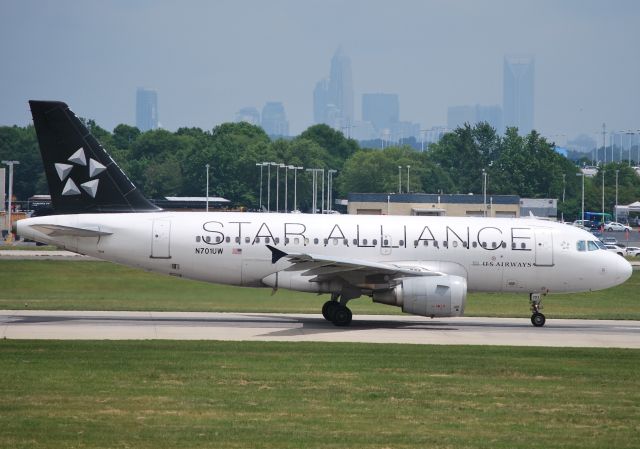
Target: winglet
(276,254)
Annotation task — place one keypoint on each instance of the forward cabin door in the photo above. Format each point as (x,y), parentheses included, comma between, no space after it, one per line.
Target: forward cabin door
(544,247)
(160,239)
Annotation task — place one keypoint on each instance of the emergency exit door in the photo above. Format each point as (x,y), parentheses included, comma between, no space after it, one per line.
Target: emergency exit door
(161,239)
(544,247)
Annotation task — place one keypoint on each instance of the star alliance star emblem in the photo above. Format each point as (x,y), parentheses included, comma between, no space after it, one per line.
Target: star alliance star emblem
(70,187)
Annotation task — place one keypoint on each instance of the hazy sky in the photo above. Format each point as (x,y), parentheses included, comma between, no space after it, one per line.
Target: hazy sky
(207,59)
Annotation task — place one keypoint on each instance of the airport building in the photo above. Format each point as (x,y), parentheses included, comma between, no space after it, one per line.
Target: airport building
(430,204)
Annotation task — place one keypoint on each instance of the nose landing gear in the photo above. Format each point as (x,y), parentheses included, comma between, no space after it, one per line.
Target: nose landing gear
(537,318)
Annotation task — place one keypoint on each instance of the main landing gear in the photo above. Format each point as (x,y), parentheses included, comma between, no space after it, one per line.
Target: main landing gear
(537,318)
(337,312)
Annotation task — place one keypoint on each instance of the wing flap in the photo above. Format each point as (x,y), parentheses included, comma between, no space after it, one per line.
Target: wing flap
(323,265)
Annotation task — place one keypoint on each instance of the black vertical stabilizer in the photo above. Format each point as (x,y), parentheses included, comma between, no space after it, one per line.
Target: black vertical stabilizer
(82,177)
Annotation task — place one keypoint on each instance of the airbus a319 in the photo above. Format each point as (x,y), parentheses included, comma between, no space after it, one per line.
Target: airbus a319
(425,265)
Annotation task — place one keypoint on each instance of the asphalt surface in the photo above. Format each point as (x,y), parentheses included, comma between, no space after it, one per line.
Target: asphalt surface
(65,325)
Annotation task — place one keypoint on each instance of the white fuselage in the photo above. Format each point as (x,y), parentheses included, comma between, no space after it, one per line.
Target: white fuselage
(510,255)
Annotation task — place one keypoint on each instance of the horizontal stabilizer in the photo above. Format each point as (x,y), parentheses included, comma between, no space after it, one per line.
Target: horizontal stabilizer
(55,230)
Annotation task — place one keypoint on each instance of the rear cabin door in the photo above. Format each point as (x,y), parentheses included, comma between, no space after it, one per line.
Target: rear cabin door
(544,247)
(160,239)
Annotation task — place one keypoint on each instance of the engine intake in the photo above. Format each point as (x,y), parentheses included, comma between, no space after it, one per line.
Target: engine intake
(432,296)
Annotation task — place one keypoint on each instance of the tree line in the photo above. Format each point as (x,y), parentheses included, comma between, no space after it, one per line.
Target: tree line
(163,163)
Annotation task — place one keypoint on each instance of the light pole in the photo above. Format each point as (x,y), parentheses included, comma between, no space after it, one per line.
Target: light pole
(399,179)
(269,185)
(564,185)
(314,188)
(408,168)
(582,174)
(260,164)
(207,187)
(422,134)
(278,167)
(484,190)
(295,187)
(286,187)
(615,211)
(322,210)
(330,188)
(602,200)
(10,164)
(638,148)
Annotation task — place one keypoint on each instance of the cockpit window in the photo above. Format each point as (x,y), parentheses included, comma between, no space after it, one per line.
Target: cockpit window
(581,245)
(600,244)
(592,246)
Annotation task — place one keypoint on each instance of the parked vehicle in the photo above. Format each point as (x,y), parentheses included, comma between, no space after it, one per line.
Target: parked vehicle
(632,251)
(615,249)
(610,241)
(614,226)
(586,224)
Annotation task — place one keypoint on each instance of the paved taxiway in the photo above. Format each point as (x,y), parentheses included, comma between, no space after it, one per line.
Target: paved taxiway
(64,325)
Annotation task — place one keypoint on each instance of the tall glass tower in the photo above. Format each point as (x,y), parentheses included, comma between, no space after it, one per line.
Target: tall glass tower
(146,109)
(519,72)
(341,86)
(333,97)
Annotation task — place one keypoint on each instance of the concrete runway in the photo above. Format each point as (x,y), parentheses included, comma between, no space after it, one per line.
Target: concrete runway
(65,325)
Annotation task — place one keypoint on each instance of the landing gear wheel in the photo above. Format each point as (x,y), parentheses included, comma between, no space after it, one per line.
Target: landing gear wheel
(329,310)
(342,316)
(538,319)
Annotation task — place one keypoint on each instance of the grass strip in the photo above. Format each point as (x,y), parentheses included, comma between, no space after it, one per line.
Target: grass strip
(81,285)
(277,395)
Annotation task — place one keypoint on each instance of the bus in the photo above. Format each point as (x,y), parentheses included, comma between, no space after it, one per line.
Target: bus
(598,218)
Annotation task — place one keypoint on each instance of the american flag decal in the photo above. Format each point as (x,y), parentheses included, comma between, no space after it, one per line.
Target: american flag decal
(236,251)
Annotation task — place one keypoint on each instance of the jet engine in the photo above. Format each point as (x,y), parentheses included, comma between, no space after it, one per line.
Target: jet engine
(432,296)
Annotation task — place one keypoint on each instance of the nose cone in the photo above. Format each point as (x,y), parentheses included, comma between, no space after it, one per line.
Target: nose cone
(614,270)
(622,270)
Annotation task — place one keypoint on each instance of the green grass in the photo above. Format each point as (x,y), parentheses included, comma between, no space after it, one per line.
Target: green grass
(280,395)
(29,248)
(76,285)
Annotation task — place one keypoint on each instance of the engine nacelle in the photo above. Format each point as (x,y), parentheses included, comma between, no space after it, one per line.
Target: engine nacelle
(432,296)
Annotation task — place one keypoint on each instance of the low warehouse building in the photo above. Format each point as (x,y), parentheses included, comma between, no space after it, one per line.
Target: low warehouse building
(453,205)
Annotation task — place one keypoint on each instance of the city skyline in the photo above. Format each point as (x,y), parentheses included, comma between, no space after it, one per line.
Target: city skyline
(432,54)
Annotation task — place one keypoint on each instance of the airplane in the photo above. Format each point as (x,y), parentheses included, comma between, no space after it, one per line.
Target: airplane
(425,265)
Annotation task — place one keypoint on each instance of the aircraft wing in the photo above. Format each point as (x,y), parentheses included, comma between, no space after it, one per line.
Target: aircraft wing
(323,266)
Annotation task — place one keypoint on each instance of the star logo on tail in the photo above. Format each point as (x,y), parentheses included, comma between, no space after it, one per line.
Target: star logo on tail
(79,159)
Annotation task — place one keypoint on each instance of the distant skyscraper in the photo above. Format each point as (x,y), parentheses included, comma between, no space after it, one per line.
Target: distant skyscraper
(249,115)
(341,86)
(519,72)
(333,98)
(382,110)
(146,109)
(320,101)
(459,115)
(274,119)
